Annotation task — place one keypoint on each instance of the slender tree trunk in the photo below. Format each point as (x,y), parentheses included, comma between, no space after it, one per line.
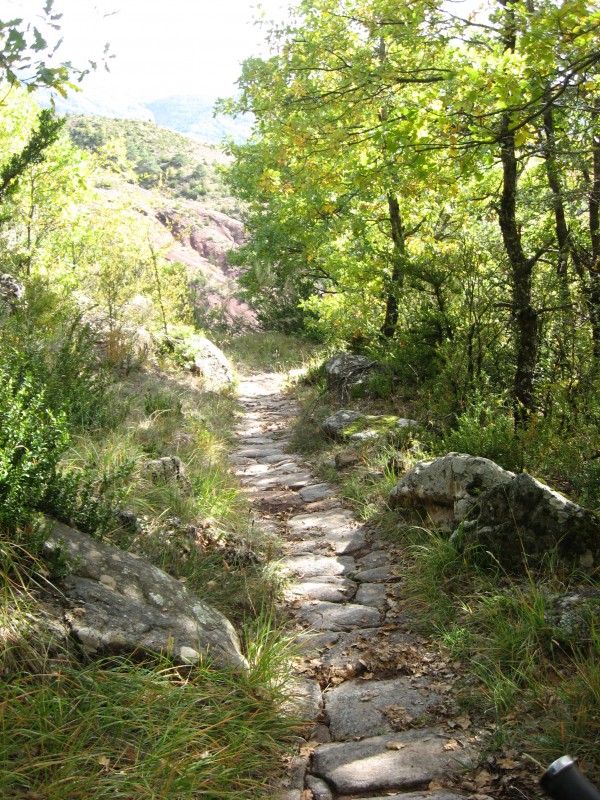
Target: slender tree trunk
(524,314)
(594,217)
(560,219)
(396,282)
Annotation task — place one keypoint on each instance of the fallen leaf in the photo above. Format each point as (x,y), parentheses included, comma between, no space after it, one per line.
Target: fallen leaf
(451,744)
(507,763)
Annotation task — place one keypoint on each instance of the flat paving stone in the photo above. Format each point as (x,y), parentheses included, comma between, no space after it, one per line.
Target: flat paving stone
(372,594)
(360,708)
(309,566)
(334,519)
(302,547)
(346,541)
(289,467)
(270,481)
(376,558)
(316,492)
(323,616)
(352,652)
(320,790)
(375,575)
(332,588)
(397,761)
(280,458)
(304,698)
(262,451)
(278,502)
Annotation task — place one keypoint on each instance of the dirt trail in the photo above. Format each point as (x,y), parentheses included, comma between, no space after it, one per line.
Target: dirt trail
(385,723)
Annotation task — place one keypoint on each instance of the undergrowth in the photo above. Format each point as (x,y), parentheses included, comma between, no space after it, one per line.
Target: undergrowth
(526,679)
(137,727)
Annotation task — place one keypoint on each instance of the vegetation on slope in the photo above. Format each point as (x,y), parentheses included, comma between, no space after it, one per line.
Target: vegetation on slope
(86,398)
(159,157)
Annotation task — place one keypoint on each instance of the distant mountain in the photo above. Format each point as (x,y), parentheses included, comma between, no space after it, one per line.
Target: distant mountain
(192,116)
(195,117)
(98,103)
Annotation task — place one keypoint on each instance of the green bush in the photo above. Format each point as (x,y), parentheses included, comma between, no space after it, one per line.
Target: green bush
(32,439)
(86,503)
(486,429)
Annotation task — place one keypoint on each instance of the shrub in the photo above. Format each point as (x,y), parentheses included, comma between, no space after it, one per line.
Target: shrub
(486,429)
(32,438)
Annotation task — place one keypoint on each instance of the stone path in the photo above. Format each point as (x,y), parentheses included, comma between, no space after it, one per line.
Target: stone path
(380,702)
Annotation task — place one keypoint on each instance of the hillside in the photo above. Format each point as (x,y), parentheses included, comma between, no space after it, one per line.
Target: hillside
(160,158)
(195,117)
(186,114)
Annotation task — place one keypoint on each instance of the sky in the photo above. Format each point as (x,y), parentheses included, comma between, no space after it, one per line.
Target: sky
(161,47)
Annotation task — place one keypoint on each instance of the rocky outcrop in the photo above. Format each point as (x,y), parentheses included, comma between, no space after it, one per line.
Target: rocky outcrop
(119,603)
(202,357)
(335,425)
(345,371)
(524,520)
(515,518)
(351,425)
(12,295)
(575,614)
(447,488)
(201,240)
(167,469)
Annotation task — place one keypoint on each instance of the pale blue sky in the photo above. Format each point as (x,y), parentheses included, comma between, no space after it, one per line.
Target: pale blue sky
(164,47)
(161,47)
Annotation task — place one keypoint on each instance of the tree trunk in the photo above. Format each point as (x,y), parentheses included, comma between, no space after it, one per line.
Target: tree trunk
(523,313)
(560,220)
(396,281)
(594,217)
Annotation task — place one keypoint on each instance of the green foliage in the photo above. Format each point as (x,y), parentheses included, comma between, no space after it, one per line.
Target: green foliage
(126,726)
(86,501)
(24,54)
(32,439)
(159,157)
(34,152)
(486,428)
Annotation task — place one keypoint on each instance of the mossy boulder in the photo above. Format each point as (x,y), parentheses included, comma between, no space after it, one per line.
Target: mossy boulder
(351,425)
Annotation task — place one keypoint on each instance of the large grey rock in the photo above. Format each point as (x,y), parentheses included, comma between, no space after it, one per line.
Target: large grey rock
(397,761)
(344,371)
(12,294)
(337,423)
(447,488)
(203,357)
(120,603)
(575,614)
(522,519)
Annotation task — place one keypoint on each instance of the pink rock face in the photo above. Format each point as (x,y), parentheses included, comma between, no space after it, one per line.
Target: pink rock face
(202,239)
